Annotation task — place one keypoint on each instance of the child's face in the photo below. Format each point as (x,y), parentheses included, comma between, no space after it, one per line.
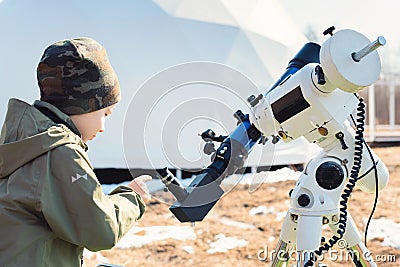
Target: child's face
(89,124)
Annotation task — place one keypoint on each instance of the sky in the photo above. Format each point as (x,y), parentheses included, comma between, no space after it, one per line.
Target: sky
(372,18)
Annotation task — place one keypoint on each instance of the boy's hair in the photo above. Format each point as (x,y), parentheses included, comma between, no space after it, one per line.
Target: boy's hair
(75,76)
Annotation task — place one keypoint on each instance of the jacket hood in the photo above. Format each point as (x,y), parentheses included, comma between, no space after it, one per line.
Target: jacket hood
(27,133)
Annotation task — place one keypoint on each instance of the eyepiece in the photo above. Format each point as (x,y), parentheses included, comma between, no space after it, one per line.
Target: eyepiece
(173,185)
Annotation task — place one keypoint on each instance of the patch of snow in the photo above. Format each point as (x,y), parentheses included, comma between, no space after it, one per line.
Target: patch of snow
(188,249)
(280,216)
(237,224)
(96,256)
(279,175)
(260,210)
(107,188)
(386,229)
(223,244)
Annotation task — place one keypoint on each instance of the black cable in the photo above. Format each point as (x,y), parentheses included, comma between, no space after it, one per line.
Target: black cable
(376,189)
(358,149)
(375,203)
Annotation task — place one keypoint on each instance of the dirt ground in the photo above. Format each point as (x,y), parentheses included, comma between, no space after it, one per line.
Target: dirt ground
(236,206)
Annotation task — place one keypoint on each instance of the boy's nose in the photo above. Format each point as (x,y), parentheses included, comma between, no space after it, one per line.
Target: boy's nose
(102,126)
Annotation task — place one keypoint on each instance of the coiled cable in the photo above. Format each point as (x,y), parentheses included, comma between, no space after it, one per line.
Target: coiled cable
(376,191)
(358,151)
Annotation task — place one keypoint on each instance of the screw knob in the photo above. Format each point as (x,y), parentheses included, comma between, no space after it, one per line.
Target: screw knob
(303,200)
(329,31)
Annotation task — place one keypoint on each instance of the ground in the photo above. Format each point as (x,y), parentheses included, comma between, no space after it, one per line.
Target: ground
(235,206)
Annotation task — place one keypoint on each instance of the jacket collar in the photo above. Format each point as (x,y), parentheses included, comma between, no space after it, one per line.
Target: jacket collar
(56,115)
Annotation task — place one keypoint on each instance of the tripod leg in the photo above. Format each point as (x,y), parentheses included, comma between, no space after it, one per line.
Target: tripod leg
(281,257)
(361,256)
(286,241)
(358,252)
(308,238)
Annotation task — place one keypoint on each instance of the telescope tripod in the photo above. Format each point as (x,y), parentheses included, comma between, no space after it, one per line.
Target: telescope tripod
(303,232)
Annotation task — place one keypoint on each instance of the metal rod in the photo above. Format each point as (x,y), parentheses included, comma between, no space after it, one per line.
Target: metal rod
(357,56)
(361,256)
(281,255)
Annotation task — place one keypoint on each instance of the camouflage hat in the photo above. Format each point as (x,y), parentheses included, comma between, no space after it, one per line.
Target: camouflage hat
(76,76)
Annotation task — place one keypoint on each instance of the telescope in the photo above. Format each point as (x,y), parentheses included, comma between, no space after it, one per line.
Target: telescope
(315,98)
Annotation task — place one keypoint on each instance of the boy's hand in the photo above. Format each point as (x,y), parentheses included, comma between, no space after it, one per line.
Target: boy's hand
(139,186)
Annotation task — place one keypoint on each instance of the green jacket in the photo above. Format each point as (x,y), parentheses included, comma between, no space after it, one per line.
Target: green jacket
(51,203)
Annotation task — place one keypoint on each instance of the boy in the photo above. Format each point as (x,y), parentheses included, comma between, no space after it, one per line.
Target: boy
(51,203)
